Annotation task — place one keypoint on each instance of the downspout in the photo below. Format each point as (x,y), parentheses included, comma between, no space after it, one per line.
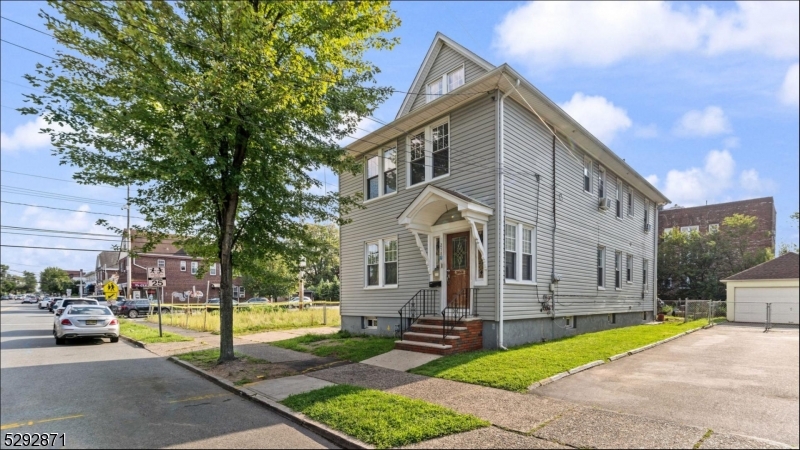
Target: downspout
(654,276)
(553,247)
(501,215)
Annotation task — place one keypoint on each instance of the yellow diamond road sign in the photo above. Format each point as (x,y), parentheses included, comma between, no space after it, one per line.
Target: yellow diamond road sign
(111,290)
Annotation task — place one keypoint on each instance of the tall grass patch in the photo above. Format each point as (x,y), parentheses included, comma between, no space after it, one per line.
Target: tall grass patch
(252,320)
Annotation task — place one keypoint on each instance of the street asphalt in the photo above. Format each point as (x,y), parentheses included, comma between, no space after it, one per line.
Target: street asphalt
(103,395)
(731,378)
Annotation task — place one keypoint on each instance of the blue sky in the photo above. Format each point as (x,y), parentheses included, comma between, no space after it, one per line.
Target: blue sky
(701,98)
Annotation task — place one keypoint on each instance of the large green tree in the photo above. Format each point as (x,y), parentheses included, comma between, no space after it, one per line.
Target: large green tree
(271,278)
(9,284)
(217,111)
(53,280)
(322,260)
(29,281)
(787,247)
(690,265)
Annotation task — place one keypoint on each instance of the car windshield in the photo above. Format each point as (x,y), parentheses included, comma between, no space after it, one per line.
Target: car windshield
(89,310)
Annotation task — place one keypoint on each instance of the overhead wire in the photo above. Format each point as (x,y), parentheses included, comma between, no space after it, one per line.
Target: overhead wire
(71,210)
(57,231)
(57,196)
(61,179)
(60,237)
(58,248)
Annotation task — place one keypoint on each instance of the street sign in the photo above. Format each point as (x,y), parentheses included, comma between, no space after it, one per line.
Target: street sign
(156,282)
(69,292)
(111,290)
(156,272)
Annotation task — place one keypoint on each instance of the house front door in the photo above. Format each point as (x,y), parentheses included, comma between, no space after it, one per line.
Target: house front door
(458,270)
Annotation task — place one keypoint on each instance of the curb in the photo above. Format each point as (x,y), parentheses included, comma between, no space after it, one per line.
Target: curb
(318,428)
(561,375)
(133,341)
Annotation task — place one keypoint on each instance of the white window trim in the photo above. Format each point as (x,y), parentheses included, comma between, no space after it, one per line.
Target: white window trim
(518,226)
(629,266)
(690,228)
(569,322)
(161,263)
(603,262)
(195,267)
(601,176)
(366,323)
(475,256)
(381,173)
(621,199)
(618,267)
(445,83)
(668,230)
(646,212)
(212,270)
(631,205)
(588,161)
(183,266)
(646,275)
(716,227)
(381,261)
(428,131)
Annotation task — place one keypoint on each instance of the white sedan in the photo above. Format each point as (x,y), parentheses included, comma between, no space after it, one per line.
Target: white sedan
(85,321)
(44,303)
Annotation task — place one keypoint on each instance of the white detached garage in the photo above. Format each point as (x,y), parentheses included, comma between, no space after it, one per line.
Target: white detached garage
(776,282)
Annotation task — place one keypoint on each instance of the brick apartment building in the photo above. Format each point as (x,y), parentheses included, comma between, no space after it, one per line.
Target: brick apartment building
(181,279)
(709,217)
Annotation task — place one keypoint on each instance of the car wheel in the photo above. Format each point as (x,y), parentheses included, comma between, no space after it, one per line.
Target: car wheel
(114,339)
(165,311)
(60,341)
(133,314)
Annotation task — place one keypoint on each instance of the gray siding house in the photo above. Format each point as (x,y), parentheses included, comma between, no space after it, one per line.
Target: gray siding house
(491,218)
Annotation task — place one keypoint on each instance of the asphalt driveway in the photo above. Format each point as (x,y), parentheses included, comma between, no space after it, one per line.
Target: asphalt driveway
(730,378)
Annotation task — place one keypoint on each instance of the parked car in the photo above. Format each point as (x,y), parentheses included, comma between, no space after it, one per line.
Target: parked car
(5,297)
(44,303)
(29,299)
(52,304)
(136,308)
(215,302)
(257,300)
(85,321)
(62,305)
(294,302)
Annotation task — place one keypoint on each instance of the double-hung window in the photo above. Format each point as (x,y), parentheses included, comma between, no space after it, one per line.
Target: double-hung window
(645,265)
(617,270)
(646,215)
(194,267)
(429,153)
(381,173)
(689,229)
(629,269)
(630,201)
(520,248)
(601,183)
(601,267)
(212,269)
(587,174)
(448,82)
(713,227)
(381,263)
(160,263)
(619,200)
(183,266)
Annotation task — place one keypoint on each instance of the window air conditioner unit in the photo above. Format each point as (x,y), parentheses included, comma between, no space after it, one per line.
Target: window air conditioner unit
(605,203)
(647,227)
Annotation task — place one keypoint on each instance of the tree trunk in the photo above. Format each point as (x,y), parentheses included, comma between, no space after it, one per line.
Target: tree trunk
(226,281)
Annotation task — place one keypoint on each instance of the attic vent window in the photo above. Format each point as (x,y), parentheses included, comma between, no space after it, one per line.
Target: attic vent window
(449,81)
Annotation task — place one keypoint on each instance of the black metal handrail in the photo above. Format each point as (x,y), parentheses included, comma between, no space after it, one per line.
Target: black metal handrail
(424,303)
(459,306)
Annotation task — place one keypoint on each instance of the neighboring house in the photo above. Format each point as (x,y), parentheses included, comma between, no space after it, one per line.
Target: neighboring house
(482,219)
(708,218)
(107,264)
(775,283)
(181,270)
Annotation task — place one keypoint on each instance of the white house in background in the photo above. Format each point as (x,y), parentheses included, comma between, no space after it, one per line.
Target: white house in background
(775,283)
(492,218)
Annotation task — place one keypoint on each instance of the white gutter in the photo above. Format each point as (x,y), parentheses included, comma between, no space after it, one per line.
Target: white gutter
(654,277)
(501,225)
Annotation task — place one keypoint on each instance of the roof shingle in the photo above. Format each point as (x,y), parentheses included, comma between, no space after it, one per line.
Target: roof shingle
(785,266)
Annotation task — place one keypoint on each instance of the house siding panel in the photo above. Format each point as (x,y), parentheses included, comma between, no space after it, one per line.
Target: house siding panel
(446,61)
(580,227)
(472,169)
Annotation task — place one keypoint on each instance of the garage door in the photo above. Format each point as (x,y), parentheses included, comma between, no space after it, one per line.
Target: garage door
(751,303)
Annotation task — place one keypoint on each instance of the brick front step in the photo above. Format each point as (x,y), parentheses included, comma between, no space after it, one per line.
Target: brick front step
(426,336)
(422,347)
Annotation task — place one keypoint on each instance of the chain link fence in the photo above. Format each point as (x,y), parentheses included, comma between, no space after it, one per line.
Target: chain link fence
(690,310)
(768,314)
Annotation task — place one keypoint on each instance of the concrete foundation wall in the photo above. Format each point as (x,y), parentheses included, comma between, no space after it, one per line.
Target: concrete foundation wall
(524,331)
(357,325)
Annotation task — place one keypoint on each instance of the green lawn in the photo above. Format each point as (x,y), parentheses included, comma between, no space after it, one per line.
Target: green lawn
(143,333)
(381,419)
(205,359)
(519,367)
(340,345)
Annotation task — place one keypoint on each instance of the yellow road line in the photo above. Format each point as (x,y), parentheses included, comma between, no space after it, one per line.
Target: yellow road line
(199,397)
(9,426)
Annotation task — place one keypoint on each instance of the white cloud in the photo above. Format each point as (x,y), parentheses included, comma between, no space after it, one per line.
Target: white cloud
(598,115)
(697,185)
(646,131)
(731,142)
(708,122)
(790,91)
(25,137)
(652,179)
(603,33)
(752,182)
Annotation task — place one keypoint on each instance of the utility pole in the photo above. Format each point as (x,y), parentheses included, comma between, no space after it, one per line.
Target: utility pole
(80,280)
(128,230)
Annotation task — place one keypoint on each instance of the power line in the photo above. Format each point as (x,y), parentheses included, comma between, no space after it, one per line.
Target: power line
(58,248)
(60,237)
(71,210)
(58,231)
(60,179)
(26,48)
(20,264)
(57,196)
(26,26)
